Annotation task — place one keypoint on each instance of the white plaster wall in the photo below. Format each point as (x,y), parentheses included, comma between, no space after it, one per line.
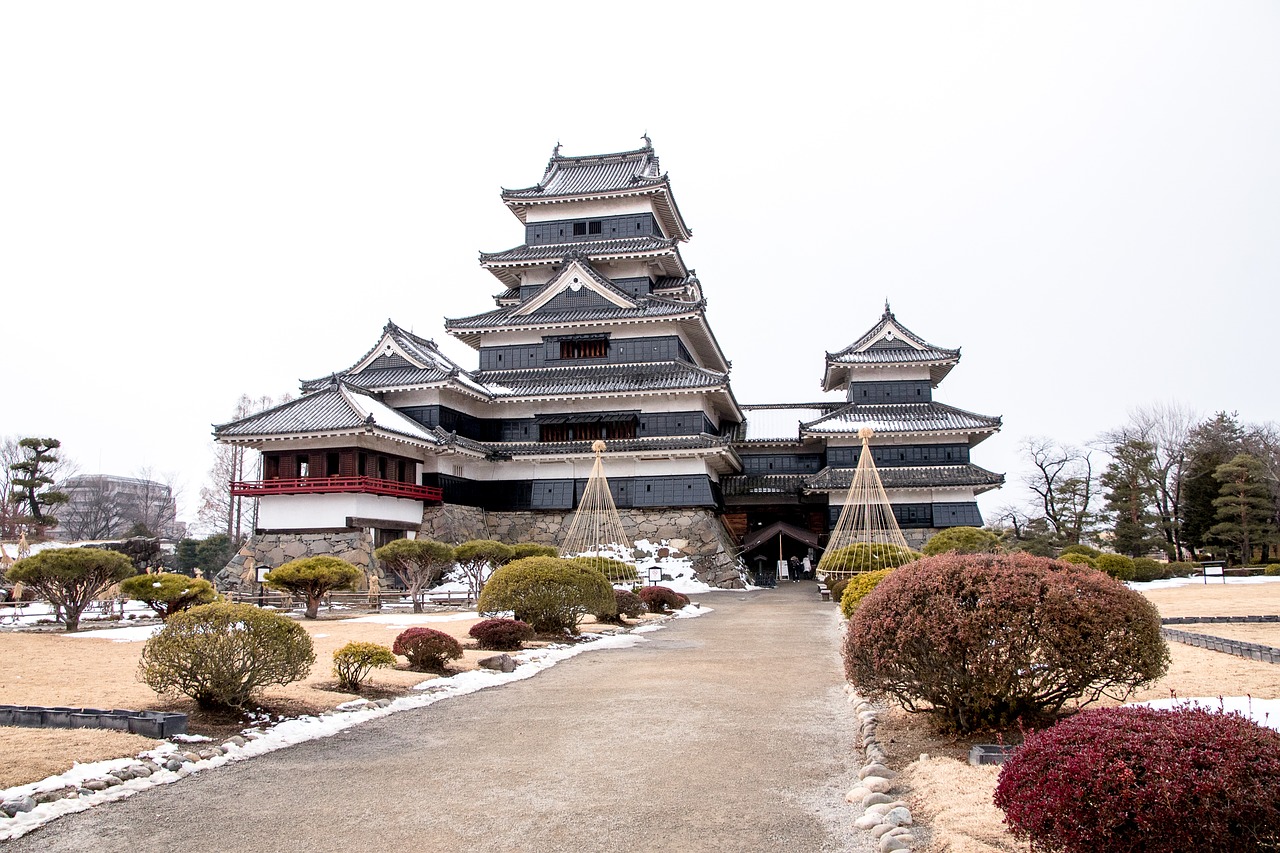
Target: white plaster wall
(595,207)
(297,512)
(887,374)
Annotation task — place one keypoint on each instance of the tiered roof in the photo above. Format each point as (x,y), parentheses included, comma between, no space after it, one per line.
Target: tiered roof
(506,264)
(401,360)
(901,419)
(594,176)
(888,343)
(603,379)
(910,477)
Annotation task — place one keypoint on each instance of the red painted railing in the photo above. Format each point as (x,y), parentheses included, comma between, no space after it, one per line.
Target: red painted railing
(330,485)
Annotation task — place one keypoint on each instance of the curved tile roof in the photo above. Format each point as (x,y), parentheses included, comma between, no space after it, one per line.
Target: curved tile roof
(336,408)
(567,176)
(600,379)
(596,248)
(504,317)
(860,350)
(624,445)
(901,417)
(921,476)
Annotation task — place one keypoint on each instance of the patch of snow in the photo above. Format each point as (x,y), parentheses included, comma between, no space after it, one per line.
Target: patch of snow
(131,634)
(1264,712)
(415,618)
(1198,580)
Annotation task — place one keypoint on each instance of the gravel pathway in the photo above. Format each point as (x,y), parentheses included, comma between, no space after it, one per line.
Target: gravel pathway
(724,733)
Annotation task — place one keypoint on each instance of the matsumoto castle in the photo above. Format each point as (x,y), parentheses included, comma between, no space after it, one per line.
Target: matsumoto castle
(600,332)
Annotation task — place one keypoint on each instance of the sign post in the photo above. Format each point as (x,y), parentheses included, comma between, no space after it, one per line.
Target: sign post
(1215,568)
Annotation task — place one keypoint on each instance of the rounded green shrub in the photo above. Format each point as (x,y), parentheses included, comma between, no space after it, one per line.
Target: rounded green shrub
(222,655)
(353,662)
(859,587)
(1140,780)
(426,648)
(983,640)
(962,540)
(1146,570)
(168,593)
(1118,566)
(1086,550)
(549,593)
(863,557)
(1075,558)
(521,550)
(312,578)
(615,570)
(837,589)
(1183,570)
(501,635)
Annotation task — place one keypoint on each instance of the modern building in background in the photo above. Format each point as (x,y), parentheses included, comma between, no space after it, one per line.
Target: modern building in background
(105,506)
(599,332)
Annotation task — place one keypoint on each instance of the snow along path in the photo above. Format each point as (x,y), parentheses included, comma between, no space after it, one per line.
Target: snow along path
(727,734)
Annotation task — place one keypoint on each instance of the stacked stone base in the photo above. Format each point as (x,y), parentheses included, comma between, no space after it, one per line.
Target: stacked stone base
(268,550)
(696,533)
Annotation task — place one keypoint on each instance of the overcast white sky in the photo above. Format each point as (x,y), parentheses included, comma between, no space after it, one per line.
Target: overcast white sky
(200,200)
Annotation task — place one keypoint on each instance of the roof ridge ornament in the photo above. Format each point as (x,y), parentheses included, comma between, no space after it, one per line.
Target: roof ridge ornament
(648,143)
(887,312)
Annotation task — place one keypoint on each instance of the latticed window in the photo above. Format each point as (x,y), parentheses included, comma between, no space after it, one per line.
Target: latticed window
(587,348)
(588,431)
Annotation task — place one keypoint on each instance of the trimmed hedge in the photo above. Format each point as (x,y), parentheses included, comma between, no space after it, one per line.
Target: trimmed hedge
(353,662)
(863,557)
(168,593)
(1146,570)
(837,589)
(426,648)
(1118,566)
(1075,558)
(1139,780)
(629,604)
(962,540)
(859,587)
(549,593)
(222,655)
(984,640)
(660,599)
(502,635)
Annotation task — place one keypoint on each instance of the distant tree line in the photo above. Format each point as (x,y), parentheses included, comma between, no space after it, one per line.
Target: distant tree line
(1165,481)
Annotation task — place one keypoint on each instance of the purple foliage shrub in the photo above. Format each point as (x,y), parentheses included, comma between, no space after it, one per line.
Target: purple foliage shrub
(426,648)
(660,599)
(502,635)
(1136,779)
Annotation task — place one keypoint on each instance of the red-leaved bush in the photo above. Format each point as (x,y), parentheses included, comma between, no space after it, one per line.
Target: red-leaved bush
(982,640)
(1138,780)
(629,604)
(501,635)
(660,599)
(426,648)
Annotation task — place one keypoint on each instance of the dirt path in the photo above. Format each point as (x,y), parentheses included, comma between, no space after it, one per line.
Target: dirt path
(725,733)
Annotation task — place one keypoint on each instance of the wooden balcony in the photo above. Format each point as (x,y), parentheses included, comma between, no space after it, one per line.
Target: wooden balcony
(335,485)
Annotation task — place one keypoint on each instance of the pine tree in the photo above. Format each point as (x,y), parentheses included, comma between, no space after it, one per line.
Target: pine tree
(1131,496)
(1245,509)
(32,484)
(1212,443)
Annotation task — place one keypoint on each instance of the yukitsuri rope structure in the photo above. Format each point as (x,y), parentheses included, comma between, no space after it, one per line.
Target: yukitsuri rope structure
(867,536)
(596,530)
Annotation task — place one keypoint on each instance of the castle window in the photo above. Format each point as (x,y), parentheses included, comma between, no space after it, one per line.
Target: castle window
(579,229)
(362,464)
(585,348)
(593,227)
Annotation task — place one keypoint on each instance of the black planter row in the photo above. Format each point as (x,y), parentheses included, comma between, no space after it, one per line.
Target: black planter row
(1239,648)
(1224,620)
(153,724)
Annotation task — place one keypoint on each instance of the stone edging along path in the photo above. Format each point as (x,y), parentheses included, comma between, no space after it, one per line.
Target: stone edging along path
(881,813)
(1239,648)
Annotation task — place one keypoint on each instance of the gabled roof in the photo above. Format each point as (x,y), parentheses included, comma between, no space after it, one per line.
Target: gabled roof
(602,176)
(468,329)
(338,408)
(910,477)
(400,359)
(901,418)
(602,379)
(506,265)
(576,274)
(888,342)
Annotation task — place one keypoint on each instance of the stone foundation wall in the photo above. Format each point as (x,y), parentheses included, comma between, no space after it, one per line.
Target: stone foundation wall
(696,533)
(274,549)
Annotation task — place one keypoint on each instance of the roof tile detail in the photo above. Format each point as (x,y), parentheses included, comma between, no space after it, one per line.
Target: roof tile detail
(921,476)
(900,417)
(337,408)
(601,379)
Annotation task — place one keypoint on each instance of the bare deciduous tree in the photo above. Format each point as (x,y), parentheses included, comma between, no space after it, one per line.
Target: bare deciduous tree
(1064,485)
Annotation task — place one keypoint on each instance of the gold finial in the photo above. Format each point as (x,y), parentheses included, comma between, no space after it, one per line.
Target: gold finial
(598,446)
(866,432)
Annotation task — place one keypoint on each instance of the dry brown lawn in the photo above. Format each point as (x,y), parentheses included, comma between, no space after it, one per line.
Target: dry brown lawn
(54,668)
(954,799)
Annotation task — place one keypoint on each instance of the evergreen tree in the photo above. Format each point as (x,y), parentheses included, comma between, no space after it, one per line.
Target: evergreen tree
(32,484)
(1244,507)
(1130,484)
(1212,443)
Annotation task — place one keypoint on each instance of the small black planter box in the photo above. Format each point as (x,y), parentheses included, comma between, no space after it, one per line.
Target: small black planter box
(154,724)
(989,753)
